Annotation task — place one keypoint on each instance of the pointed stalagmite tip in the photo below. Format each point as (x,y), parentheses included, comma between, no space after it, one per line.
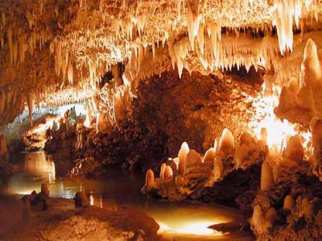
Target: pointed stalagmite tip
(162,171)
(267,179)
(310,50)
(149,179)
(182,155)
(294,149)
(168,172)
(258,216)
(311,65)
(209,156)
(288,202)
(227,142)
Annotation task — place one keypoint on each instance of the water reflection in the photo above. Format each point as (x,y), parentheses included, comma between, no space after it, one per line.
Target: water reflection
(117,190)
(40,164)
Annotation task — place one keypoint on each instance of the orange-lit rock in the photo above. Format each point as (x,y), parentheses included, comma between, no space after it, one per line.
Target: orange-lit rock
(267,179)
(149,180)
(182,155)
(227,142)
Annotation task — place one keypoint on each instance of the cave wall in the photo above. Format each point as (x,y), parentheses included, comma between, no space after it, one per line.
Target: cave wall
(169,110)
(194,108)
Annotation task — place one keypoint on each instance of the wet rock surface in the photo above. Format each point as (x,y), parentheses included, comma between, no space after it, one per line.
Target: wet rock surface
(63,222)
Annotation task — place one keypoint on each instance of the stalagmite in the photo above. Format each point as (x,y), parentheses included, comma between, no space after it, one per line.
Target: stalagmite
(193,158)
(168,172)
(311,72)
(258,219)
(227,142)
(294,149)
(209,156)
(162,171)
(288,202)
(182,155)
(270,217)
(218,169)
(149,180)
(267,179)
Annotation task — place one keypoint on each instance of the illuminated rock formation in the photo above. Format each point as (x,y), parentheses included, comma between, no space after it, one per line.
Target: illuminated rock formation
(288,203)
(302,95)
(154,75)
(267,179)
(202,172)
(182,156)
(226,143)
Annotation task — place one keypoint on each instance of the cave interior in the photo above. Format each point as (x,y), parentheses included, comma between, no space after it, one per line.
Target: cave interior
(161,120)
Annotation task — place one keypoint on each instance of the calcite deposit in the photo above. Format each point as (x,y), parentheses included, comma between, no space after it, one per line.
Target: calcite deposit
(216,101)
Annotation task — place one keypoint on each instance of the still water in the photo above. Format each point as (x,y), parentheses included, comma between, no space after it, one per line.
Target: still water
(178,221)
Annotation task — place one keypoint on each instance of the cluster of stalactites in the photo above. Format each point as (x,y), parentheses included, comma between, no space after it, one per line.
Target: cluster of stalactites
(12,102)
(287,15)
(19,42)
(63,62)
(113,103)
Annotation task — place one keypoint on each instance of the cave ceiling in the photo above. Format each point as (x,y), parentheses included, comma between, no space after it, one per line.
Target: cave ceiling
(51,46)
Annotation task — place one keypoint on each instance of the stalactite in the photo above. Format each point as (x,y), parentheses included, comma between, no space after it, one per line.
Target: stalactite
(3,19)
(287,11)
(214,30)
(70,74)
(10,44)
(180,51)
(201,38)
(30,107)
